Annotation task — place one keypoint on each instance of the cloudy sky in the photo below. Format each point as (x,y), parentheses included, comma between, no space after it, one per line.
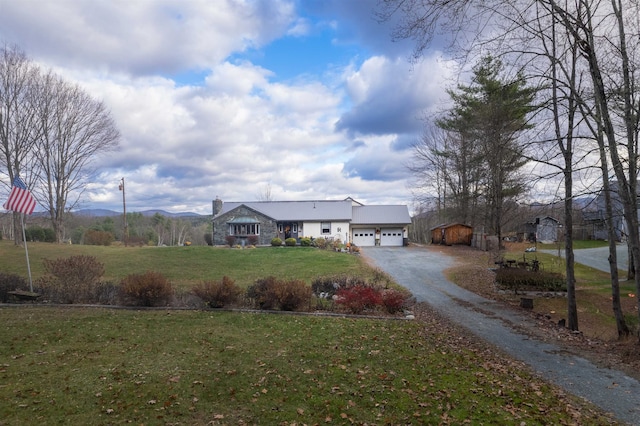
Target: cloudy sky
(305,99)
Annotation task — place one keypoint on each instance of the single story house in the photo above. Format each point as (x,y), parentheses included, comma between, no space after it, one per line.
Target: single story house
(452,234)
(346,220)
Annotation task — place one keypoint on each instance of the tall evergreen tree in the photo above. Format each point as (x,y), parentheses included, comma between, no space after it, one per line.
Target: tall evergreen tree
(489,115)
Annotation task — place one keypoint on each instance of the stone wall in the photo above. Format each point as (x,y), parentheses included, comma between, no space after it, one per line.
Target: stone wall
(268,226)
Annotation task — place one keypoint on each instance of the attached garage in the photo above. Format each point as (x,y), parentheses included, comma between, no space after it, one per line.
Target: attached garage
(364,237)
(391,237)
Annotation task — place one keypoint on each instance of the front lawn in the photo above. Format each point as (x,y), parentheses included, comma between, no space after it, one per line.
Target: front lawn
(97,366)
(185,266)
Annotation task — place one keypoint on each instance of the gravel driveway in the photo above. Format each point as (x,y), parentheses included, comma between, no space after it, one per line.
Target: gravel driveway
(421,271)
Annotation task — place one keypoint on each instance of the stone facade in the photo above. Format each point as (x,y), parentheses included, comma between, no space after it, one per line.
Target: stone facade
(268,226)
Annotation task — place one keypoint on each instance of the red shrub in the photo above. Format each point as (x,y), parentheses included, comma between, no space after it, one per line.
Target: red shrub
(394,300)
(358,298)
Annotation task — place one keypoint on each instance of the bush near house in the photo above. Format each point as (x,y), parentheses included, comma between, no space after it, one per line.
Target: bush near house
(231,240)
(305,242)
(253,240)
(290,242)
(321,243)
(276,242)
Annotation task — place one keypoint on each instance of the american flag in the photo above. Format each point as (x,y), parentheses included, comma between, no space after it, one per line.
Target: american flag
(20,199)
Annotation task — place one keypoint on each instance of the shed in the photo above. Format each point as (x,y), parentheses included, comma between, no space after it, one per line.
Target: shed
(542,229)
(452,233)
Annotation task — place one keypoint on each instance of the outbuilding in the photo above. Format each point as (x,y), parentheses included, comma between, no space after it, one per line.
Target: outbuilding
(452,234)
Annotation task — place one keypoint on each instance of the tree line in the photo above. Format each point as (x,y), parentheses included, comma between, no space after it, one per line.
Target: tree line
(50,132)
(157,229)
(572,79)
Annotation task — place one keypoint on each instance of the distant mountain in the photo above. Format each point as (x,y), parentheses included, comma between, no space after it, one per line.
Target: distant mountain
(108,213)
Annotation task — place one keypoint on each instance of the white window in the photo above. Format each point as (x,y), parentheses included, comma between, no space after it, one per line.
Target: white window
(325,228)
(244,229)
(295,227)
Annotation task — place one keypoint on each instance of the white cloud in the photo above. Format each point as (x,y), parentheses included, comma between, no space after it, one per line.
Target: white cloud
(334,135)
(143,37)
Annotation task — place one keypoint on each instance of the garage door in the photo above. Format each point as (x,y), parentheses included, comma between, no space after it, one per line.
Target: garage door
(391,237)
(364,237)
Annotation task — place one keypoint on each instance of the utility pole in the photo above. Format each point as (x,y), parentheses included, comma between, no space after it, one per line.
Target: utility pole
(125,235)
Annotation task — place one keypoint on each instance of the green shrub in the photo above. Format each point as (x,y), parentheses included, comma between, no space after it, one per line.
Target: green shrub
(518,279)
(305,242)
(40,234)
(93,237)
(276,242)
(73,279)
(290,242)
(148,289)
(11,282)
(271,293)
(217,294)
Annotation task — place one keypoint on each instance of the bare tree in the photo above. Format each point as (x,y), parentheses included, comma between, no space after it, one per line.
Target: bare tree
(604,36)
(19,129)
(265,194)
(75,129)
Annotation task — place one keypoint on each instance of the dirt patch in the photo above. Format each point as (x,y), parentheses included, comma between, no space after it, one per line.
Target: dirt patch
(597,339)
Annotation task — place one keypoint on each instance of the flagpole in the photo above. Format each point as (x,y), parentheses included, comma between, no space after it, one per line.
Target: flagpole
(26,250)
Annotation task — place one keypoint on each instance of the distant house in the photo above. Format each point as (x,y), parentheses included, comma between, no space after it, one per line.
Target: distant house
(346,220)
(543,228)
(452,234)
(596,215)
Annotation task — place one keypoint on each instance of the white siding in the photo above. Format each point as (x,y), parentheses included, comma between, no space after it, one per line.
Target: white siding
(338,230)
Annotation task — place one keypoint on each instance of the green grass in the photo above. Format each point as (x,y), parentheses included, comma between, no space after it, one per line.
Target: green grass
(593,294)
(185,266)
(95,366)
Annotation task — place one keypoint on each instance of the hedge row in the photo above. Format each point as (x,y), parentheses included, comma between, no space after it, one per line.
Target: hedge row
(518,279)
(77,279)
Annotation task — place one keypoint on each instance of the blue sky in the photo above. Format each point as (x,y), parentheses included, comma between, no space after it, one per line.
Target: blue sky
(231,98)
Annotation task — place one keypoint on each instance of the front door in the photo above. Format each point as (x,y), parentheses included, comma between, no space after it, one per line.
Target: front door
(290,230)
